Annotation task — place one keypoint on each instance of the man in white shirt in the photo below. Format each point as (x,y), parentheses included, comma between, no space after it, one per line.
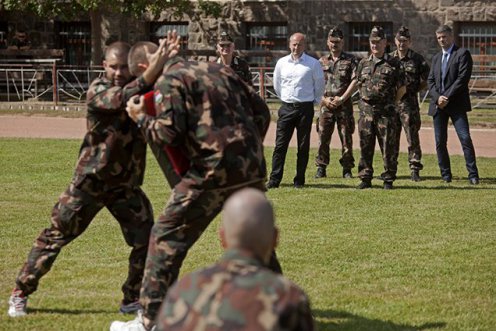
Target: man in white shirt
(299,83)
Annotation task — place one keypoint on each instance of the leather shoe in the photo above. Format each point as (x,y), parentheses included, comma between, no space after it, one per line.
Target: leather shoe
(270,184)
(388,185)
(296,185)
(447,179)
(364,184)
(415,176)
(321,172)
(474,181)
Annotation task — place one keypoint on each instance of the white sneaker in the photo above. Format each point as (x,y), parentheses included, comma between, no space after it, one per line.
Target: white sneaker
(17,304)
(133,325)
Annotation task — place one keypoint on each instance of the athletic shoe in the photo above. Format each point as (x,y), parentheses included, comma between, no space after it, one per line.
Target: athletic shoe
(130,308)
(136,324)
(17,303)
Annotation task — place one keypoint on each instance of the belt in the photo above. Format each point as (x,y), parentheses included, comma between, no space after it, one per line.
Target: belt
(297,104)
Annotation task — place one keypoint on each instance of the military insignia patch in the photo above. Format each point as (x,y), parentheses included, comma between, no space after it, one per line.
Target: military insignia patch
(158,97)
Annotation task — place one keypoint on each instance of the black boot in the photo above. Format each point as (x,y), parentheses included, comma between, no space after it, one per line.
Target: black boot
(321,172)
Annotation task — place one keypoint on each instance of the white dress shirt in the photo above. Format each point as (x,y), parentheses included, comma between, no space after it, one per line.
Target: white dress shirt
(299,81)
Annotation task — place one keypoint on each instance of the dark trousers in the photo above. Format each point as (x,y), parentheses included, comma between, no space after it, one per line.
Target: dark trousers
(291,116)
(460,122)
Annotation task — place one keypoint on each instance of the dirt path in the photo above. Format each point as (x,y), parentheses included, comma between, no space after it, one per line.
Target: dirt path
(74,128)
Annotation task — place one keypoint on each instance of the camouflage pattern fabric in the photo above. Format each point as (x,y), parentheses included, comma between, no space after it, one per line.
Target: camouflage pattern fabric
(416,70)
(238,293)
(338,76)
(345,124)
(109,169)
(220,122)
(372,125)
(114,149)
(241,68)
(378,81)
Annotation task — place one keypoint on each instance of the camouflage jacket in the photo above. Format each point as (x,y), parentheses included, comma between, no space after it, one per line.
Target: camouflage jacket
(238,293)
(114,149)
(338,75)
(416,71)
(216,118)
(242,68)
(379,80)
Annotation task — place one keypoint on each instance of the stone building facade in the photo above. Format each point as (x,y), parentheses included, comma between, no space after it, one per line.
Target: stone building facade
(246,21)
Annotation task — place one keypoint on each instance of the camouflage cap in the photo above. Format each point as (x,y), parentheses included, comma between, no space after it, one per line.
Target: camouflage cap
(377,33)
(224,38)
(403,33)
(335,32)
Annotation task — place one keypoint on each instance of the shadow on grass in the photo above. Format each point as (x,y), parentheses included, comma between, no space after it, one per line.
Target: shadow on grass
(344,321)
(418,185)
(69,311)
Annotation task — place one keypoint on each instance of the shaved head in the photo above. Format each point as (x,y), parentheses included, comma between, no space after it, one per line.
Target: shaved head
(138,59)
(248,223)
(117,49)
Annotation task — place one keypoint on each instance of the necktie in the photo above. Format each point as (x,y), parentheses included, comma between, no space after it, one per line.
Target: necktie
(444,64)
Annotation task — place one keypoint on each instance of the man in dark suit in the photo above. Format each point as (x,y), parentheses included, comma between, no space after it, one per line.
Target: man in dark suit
(448,86)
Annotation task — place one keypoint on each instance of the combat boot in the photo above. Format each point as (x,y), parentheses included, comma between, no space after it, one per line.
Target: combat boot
(415,176)
(365,184)
(321,172)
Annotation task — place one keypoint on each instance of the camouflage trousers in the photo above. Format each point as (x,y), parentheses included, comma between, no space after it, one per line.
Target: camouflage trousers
(345,124)
(188,213)
(380,126)
(409,119)
(73,213)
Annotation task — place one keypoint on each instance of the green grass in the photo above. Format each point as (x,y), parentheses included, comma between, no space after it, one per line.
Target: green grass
(420,257)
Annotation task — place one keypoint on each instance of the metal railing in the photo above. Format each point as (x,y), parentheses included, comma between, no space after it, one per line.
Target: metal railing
(46,80)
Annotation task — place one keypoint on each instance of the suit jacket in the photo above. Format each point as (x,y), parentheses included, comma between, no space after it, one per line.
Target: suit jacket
(457,77)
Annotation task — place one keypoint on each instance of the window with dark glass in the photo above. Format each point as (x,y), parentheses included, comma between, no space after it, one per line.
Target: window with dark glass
(270,36)
(75,39)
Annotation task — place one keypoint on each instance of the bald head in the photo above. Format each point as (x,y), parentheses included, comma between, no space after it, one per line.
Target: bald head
(248,223)
(297,44)
(137,59)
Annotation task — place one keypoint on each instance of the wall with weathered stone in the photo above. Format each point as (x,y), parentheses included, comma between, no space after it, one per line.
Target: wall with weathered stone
(314,18)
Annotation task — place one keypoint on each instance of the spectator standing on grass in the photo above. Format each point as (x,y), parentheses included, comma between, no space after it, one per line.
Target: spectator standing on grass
(381,85)
(337,107)
(299,84)
(227,56)
(408,110)
(448,86)
(239,292)
(210,112)
(108,173)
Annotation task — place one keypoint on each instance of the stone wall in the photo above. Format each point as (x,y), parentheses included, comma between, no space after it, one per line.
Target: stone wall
(314,18)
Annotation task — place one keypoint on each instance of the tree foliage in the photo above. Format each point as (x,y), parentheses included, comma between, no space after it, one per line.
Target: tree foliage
(136,8)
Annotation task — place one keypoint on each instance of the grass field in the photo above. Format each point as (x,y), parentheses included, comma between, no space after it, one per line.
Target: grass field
(420,257)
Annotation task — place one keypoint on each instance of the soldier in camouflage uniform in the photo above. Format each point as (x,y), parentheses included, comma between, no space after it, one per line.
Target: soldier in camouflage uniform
(381,84)
(238,292)
(337,106)
(221,122)
(225,48)
(408,112)
(108,174)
